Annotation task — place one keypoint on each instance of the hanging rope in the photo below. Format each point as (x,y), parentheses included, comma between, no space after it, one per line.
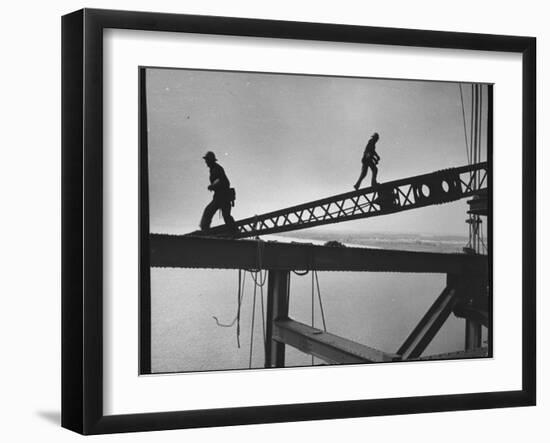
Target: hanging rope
(237,318)
(301,274)
(472,142)
(259,282)
(312,310)
(320,302)
(259,258)
(315,284)
(239,304)
(476,129)
(263,314)
(252,326)
(259,278)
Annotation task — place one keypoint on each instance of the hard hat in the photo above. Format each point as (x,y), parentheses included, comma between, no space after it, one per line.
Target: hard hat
(210,156)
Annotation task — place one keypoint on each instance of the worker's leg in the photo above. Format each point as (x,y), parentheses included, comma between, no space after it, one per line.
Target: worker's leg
(226,214)
(207,215)
(374,174)
(361,176)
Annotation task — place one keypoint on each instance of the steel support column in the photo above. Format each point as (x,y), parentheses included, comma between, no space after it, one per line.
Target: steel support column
(472,306)
(472,338)
(277,309)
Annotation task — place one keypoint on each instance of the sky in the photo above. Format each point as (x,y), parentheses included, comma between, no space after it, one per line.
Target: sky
(287,139)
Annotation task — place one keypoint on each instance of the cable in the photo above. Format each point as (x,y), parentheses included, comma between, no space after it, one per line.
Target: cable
(239,303)
(320,302)
(237,318)
(252,328)
(472,125)
(240,294)
(301,274)
(480,130)
(312,310)
(259,259)
(263,313)
(464,121)
(259,282)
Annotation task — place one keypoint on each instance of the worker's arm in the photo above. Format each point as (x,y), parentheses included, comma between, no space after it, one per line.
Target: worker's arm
(214,184)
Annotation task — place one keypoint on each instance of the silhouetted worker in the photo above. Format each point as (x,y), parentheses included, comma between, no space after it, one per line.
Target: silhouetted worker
(224,195)
(370,160)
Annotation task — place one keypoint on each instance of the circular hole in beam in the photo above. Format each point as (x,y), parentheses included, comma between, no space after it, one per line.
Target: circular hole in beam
(425,189)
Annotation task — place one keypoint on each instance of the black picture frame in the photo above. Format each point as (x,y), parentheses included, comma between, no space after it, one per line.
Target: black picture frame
(82,220)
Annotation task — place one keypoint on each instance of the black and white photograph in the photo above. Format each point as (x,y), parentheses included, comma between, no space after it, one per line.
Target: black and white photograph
(267,222)
(292,220)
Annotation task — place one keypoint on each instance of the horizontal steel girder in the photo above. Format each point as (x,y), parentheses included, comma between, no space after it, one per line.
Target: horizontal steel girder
(472,313)
(471,353)
(387,198)
(328,347)
(172,251)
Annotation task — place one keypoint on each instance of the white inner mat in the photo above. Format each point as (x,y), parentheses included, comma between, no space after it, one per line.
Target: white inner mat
(126,392)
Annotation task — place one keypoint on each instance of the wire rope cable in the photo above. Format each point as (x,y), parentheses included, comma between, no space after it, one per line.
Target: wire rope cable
(464,122)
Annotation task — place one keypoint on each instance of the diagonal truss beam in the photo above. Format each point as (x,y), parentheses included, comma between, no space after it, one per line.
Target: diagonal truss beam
(399,195)
(428,327)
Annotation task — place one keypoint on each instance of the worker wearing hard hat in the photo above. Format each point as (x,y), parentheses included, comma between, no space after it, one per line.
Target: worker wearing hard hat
(224,195)
(370,160)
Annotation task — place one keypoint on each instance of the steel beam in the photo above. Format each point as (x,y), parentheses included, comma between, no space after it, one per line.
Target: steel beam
(277,309)
(169,251)
(479,205)
(386,198)
(328,347)
(472,339)
(471,353)
(422,335)
(473,305)
(472,313)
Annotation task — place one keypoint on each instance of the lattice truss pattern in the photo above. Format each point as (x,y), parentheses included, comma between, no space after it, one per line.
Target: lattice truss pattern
(414,192)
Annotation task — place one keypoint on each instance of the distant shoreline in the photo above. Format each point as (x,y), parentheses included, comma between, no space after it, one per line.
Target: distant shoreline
(421,242)
(400,241)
